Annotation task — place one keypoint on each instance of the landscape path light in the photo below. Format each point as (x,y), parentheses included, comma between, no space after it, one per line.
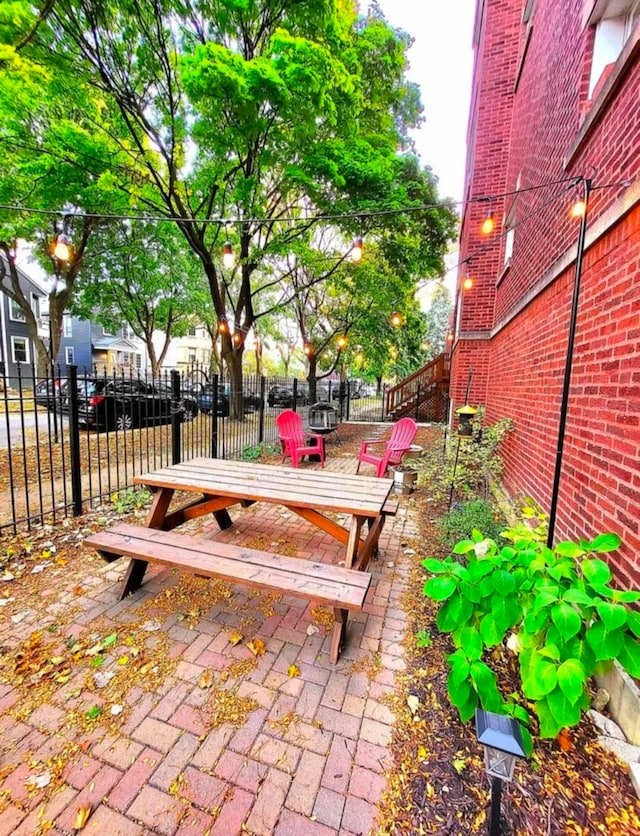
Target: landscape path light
(502,740)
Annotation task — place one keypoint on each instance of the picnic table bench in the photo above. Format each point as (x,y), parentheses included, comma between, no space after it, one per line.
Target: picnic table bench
(343,589)
(221,484)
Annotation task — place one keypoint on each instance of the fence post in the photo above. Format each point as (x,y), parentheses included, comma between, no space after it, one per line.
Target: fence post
(295,394)
(418,403)
(348,399)
(74,442)
(214,414)
(384,387)
(176,418)
(263,389)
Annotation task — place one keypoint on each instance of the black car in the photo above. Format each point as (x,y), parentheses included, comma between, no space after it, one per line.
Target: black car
(46,392)
(205,400)
(122,404)
(283,396)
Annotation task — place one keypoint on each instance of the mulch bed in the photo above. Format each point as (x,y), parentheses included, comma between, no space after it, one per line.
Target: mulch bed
(438,784)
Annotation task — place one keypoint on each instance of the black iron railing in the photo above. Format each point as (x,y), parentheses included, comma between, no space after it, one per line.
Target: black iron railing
(75,440)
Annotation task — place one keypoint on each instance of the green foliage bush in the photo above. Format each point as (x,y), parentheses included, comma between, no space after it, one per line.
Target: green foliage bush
(554,608)
(467,464)
(464,517)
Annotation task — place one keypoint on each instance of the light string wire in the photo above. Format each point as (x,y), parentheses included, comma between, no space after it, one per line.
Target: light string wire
(494,238)
(226,221)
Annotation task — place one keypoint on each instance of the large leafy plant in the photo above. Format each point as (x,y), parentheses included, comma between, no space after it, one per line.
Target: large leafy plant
(555,608)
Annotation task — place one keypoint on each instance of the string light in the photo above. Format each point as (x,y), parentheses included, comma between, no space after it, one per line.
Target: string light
(236,339)
(396,319)
(356,249)
(488,224)
(223,327)
(467,284)
(61,249)
(342,216)
(578,207)
(228,257)
(342,342)
(308,349)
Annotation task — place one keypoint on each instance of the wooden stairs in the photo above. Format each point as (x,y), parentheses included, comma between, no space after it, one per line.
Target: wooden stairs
(424,395)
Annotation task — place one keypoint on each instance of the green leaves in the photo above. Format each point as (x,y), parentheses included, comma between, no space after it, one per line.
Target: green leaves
(596,571)
(572,679)
(566,617)
(440,588)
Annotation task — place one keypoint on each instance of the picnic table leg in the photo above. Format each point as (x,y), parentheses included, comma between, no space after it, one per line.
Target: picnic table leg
(354,541)
(339,632)
(133,577)
(159,507)
(223,519)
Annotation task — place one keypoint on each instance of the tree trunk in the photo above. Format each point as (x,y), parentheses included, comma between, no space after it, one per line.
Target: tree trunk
(233,360)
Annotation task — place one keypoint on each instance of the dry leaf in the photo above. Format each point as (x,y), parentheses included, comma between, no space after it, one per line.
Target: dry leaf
(123,660)
(205,680)
(235,638)
(293,670)
(81,817)
(564,739)
(256,647)
(413,702)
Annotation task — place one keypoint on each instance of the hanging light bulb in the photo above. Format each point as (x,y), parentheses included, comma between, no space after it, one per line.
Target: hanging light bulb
(488,224)
(467,284)
(342,342)
(356,249)
(228,258)
(396,319)
(579,205)
(578,208)
(61,249)
(308,349)
(223,327)
(450,337)
(236,339)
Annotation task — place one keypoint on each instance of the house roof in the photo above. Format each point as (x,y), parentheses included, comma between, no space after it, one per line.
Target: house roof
(115,344)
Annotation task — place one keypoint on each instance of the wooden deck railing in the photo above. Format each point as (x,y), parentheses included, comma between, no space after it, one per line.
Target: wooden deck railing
(418,387)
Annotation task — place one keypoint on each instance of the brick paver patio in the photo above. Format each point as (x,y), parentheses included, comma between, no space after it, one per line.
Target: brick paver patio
(309,757)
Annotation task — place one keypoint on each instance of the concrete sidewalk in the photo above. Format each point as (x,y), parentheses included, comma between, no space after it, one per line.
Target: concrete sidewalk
(296,746)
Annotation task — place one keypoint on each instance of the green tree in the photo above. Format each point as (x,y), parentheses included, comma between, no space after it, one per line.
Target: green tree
(437,321)
(143,274)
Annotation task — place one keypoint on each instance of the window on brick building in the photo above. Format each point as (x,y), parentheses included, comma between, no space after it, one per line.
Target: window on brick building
(614,21)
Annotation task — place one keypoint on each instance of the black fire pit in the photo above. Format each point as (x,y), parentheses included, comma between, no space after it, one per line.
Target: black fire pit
(323,419)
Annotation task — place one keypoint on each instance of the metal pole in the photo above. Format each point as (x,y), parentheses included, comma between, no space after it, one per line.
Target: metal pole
(553,509)
(496,797)
(74,440)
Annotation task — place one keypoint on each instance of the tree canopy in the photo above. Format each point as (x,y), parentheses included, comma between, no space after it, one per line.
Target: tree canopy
(251,121)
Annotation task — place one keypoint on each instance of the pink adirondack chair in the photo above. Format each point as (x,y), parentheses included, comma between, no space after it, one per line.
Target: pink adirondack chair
(295,441)
(397,445)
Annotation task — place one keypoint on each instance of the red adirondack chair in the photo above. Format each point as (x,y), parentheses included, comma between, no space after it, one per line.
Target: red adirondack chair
(397,445)
(295,441)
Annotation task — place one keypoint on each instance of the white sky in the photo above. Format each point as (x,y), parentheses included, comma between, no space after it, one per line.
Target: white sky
(441,63)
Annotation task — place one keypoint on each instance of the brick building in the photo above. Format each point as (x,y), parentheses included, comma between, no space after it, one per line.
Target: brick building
(556,97)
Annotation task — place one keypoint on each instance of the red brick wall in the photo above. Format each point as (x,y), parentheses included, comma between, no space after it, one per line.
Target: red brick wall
(518,372)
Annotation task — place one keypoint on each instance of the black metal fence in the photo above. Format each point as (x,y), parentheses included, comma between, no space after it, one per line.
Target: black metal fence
(71,441)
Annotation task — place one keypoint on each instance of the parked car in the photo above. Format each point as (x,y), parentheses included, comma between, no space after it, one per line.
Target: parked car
(45,392)
(283,396)
(205,400)
(123,404)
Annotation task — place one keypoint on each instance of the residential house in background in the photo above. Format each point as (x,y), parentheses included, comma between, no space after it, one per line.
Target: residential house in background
(17,351)
(555,100)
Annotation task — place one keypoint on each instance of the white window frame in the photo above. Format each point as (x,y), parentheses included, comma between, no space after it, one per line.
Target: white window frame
(614,20)
(16,314)
(67,326)
(14,343)
(35,305)
(69,355)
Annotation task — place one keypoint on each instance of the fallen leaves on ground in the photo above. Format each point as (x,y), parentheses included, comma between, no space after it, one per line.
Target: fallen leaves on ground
(437,782)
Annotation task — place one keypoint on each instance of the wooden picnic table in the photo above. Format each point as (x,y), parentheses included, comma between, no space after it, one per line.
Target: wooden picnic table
(311,494)
(217,485)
